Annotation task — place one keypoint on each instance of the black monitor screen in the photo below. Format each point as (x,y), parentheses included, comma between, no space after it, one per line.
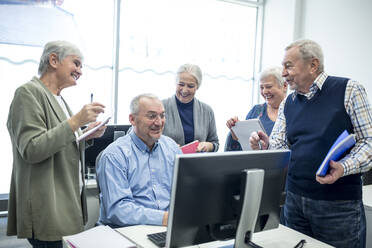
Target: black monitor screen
(112,133)
(205,201)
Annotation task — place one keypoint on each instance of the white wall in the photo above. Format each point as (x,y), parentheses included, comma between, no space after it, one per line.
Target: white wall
(278,28)
(342,27)
(344,30)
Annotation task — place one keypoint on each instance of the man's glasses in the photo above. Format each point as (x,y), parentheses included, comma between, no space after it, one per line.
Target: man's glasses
(154,116)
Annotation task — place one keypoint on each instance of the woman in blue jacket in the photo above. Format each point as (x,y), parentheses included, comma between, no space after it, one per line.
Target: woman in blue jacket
(273,90)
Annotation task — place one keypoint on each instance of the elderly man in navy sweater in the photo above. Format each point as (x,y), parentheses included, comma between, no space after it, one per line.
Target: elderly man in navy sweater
(328,208)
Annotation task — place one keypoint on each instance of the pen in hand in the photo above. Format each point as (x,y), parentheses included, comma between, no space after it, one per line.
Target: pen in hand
(91,97)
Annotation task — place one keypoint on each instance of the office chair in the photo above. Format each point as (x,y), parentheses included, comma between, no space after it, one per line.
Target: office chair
(367,177)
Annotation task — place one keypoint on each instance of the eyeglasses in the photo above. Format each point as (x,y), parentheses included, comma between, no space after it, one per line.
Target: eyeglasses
(154,116)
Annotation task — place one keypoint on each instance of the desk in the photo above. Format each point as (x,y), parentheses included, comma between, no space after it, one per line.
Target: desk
(282,237)
(367,201)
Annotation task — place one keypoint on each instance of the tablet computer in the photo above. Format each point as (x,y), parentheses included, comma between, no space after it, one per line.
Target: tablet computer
(243,130)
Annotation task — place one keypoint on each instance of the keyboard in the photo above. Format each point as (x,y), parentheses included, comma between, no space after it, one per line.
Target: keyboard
(158,238)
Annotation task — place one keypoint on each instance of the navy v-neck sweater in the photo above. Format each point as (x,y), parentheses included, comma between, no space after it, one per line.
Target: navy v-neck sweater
(312,127)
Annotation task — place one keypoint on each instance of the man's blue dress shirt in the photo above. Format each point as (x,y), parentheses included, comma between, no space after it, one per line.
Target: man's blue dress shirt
(135,182)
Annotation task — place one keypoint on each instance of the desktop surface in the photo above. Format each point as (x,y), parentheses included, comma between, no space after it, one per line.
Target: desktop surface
(281,237)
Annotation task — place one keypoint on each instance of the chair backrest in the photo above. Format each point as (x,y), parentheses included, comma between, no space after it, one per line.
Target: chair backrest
(118,134)
(367,177)
(111,134)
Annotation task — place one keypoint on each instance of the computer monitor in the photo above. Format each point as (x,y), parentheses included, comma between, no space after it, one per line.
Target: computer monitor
(99,144)
(205,199)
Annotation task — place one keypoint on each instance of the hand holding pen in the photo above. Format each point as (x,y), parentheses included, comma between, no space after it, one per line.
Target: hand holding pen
(87,114)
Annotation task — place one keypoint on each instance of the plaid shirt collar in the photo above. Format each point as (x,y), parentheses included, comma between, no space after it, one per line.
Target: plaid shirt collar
(318,84)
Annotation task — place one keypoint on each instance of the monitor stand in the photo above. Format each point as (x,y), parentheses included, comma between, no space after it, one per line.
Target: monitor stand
(253,184)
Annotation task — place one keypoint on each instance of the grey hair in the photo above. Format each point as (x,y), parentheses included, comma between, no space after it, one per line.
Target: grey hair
(309,49)
(134,104)
(275,72)
(194,70)
(62,49)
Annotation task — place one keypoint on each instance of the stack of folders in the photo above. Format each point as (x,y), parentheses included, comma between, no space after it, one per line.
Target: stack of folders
(98,237)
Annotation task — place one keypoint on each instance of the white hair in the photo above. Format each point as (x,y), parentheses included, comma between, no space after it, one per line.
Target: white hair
(194,70)
(275,72)
(134,104)
(62,49)
(309,49)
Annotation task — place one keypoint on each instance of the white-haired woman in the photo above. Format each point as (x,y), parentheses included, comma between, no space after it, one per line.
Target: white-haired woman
(187,118)
(273,90)
(46,199)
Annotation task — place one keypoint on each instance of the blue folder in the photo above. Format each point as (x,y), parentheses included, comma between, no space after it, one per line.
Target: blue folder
(343,143)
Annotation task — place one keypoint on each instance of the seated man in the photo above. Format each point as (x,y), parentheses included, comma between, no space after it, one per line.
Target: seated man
(135,172)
